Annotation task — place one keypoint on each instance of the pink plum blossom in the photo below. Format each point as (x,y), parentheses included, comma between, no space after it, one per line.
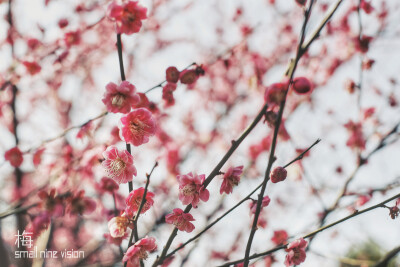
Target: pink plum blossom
(139,251)
(191,189)
(278,175)
(137,126)
(181,220)
(265,202)
(120,98)
(118,225)
(14,156)
(135,198)
(280,237)
(231,178)
(119,165)
(296,252)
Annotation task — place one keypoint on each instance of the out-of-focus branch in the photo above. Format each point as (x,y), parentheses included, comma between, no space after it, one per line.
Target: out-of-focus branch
(385,260)
(17,210)
(62,134)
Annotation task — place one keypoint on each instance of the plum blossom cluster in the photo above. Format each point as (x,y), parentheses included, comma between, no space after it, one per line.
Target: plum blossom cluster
(173,76)
(280,237)
(137,127)
(265,202)
(118,225)
(356,139)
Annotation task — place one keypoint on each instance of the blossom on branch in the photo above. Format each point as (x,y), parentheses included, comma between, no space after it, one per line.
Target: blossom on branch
(296,252)
(301,85)
(128,17)
(137,126)
(135,198)
(265,202)
(172,75)
(191,189)
(119,165)
(120,98)
(139,251)
(181,220)
(275,93)
(168,94)
(14,156)
(231,178)
(279,174)
(118,225)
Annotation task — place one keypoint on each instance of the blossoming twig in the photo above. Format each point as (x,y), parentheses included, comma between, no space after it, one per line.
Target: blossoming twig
(354,214)
(362,161)
(214,172)
(299,157)
(290,74)
(142,202)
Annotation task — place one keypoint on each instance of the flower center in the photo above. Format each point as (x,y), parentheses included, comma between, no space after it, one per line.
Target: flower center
(118,100)
(179,222)
(232,181)
(137,127)
(297,253)
(121,222)
(129,16)
(142,254)
(117,167)
(189,189)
